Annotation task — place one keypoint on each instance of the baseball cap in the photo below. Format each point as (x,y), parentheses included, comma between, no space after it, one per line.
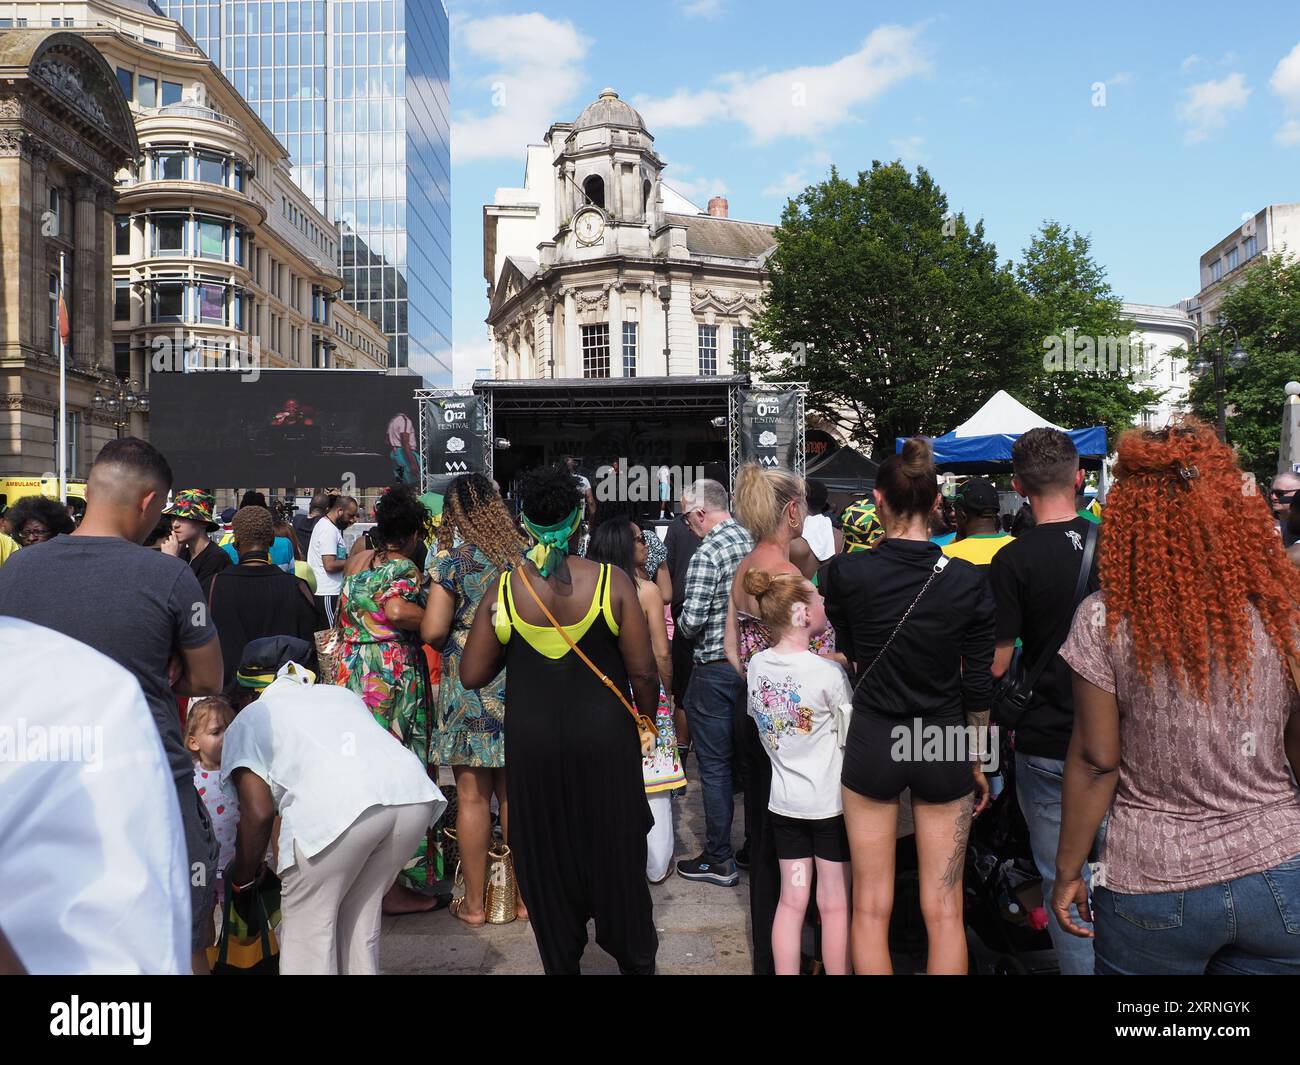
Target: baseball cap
(978,496)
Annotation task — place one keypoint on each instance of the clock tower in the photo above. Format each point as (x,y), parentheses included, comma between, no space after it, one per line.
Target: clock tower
(596,267)
(607,182)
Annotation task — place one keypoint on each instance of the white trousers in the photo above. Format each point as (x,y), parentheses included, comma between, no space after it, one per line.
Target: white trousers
(332,903)
(660,842)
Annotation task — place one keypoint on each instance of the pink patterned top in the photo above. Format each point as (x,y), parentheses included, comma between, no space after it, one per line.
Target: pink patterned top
(1205,794)
(754,637)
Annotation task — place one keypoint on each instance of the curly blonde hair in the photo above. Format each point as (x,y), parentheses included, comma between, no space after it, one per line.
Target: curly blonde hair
(473,510)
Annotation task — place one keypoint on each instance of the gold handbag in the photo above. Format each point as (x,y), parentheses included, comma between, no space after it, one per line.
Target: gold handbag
(502,888)
(328,645)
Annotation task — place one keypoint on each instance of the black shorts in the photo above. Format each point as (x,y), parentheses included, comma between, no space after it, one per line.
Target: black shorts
(796,838)
(884,756)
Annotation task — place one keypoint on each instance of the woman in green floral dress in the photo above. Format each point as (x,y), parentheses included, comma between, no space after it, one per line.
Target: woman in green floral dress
(381,658)
(477,540)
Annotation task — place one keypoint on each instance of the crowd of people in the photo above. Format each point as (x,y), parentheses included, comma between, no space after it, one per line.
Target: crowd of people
(838,669)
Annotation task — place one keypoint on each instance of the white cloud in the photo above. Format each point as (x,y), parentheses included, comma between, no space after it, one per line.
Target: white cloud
(1122,78)
(535,71)
(787,185)
(1286,78)
(1208,104)
(706,9)
(468,358)
(1289,135)
(1190,61)
(800,101)
(908,149)
(1286,83)
(682,177)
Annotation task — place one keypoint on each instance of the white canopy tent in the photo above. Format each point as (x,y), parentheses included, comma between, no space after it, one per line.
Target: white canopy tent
(1002,415)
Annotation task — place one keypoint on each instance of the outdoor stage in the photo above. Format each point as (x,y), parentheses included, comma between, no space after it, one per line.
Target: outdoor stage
(644,422)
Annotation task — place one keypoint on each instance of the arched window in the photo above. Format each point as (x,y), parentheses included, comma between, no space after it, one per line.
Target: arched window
(646,205)
(594,189)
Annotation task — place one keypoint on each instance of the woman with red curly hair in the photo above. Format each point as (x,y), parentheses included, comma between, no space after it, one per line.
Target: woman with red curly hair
(1185,715)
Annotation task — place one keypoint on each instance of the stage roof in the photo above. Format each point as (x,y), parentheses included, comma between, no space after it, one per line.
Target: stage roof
(614,396)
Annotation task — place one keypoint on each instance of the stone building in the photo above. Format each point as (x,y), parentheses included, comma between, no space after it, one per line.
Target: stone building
(65,131)
(1272,230)
(1162,339)
(597,269)
(212,255)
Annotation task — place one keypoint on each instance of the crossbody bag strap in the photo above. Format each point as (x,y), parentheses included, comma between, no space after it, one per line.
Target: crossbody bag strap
(1080,590)
(573,646)
(939,567)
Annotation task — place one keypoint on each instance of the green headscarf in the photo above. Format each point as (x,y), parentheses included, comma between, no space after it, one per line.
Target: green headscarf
(552,541)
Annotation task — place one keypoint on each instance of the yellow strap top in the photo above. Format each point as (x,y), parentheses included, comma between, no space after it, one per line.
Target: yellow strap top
(543,638)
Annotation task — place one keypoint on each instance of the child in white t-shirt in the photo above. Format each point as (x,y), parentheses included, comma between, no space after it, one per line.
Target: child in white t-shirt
(795,696)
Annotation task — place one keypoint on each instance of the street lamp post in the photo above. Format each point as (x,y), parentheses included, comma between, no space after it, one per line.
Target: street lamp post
(1215,359)
(119,399)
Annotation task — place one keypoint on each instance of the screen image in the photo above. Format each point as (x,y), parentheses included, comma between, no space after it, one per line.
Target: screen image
(295,428)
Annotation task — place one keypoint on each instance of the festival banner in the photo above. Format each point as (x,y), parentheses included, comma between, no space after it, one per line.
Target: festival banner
(769,427)
(453,436)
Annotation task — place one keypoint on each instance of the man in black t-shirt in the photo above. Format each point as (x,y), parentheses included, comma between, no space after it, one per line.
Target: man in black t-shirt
(305,524)
(1033,580)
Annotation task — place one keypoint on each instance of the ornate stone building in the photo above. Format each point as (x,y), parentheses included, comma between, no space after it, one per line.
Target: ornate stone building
(596,268)
(205,251)
(64,132)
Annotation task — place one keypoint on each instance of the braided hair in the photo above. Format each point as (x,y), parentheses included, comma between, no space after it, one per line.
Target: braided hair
(472,510)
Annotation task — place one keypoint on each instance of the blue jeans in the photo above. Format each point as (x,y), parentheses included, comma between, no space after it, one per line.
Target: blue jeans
(710,712)
(1038,789)
(1248,926)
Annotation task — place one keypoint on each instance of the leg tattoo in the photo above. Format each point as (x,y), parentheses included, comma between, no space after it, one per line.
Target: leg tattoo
(957,862)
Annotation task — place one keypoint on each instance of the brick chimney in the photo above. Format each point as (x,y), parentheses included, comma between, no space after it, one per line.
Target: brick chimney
(718,207)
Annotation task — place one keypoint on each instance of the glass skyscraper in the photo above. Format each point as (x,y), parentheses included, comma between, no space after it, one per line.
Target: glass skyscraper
(359,92)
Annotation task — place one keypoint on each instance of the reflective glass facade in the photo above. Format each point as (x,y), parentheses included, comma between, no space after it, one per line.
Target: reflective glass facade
(359,93)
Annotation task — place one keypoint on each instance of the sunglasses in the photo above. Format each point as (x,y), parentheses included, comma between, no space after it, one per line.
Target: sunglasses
(1165,434)
(1282,493)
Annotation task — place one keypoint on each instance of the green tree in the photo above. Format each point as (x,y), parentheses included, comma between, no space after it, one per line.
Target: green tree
(896,313)
(1100,379)
(1265,311)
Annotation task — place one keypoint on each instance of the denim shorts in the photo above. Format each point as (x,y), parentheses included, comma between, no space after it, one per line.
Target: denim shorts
(1247,926)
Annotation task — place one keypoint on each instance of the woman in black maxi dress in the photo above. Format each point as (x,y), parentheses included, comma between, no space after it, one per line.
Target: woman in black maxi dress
(578,812)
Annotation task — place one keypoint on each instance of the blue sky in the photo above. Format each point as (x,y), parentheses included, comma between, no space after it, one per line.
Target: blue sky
(1195,122)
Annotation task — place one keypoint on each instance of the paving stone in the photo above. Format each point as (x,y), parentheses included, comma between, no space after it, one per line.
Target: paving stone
(702,928)
(400,952)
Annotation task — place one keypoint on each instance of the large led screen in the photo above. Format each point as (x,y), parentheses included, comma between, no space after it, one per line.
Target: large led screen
(286,428)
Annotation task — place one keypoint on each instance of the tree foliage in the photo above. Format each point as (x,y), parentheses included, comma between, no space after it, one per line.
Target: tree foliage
(903,322)
(1074,304)
(1265,311)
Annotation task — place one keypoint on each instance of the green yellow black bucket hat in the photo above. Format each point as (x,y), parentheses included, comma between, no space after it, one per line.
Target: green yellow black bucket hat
(194,504)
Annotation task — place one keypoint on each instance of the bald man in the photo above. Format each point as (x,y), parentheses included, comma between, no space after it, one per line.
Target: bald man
(1284,487)
(141,608)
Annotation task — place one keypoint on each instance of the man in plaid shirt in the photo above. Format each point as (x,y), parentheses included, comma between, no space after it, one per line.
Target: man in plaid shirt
(714,687)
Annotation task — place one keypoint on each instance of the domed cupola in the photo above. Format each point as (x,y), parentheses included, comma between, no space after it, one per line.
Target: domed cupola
(609,110)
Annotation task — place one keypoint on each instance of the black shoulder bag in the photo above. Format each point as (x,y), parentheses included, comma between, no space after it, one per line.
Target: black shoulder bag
(1015,691)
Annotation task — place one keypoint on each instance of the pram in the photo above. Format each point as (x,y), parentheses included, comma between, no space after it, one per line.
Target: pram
(1006,914)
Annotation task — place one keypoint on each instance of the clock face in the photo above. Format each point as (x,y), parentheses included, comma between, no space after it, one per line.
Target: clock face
(590,226)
